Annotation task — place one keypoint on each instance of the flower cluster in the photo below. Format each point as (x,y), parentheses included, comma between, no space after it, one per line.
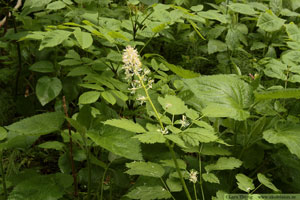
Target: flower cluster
(133,69)
(184,122)
(193,176)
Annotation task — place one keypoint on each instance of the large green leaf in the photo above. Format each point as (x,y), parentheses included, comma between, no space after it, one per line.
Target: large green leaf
(244,182)
(39,124)
(278,94)
(228,93)
(285,133)
(224,163)
(195,135)
(126,124)
(211,178)
(89,97)
(50,187)
(56,5)
(54,38)
(246,9)
(269,22)
(47,89)
(145,169)
(42,66)
(84,39)
(151,137)
(149,193)
(118,141)
(293,31)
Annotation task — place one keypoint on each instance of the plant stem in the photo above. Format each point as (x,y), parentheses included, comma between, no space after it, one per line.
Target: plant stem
(102,182)
(167,142)
(89,171)
(200,172)
(256,188)
(3,176)
(71,150)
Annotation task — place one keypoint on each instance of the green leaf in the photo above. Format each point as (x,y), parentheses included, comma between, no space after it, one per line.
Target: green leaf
(195,135)
(39,124)
(293,31)
(84,39)
(216,46)
(47,89)
(56,5)
(118,141)
(42,66)
(285,133)
(52,145)
(145,169)
(277,94)
(269,22)
(245,9)
(172,105)
(275,69)
(109,97)
(174,184)
(151,137)
(228,92)
(184,73)
(3,133)
(244,182)
(38,187)
(224,163)
(170,163)
(149,193)
(54,38)
(126,124)
(210,178)
(89,97)
(265,181)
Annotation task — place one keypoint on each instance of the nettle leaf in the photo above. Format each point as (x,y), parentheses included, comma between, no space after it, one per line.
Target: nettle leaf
(285,133)
(293,31)
(172,105)
(277,94)
(42,66)
(270,22)
(126,124)
(229,94)
(39,124)
(118,141)
(224,163)
(245,9)
(151,137)
(211,178)
(244,182)
(145,169)
(149,193)
(266,182)
(89,97)
(84,39)
(39,187)
(52,145)
(54,38)
(47,89)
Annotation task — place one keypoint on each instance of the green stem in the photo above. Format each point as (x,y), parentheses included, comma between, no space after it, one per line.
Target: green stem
(256,188)
(3,176)
(89,172)
(102,182)
(165,185)
(200,172)
(178,171)
(195,192)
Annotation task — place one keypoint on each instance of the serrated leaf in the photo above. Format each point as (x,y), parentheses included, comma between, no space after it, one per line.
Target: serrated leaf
(225,91)
(89,97)
(151,137)
(52,186)
(118,141)
(269,22)
(244,182)
(84,39)
(42,66)
(38,124)
(211,178)
(224,163)
(194,136)
(172,105)
(145,169)
(170,163)
(266,182)
(149,193)
(126,124)
(174,184)
(278,94)
(52,145)
(285,133)
(54,38)
(47,89)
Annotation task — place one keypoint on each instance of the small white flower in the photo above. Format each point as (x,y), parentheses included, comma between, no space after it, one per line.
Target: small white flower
(184,122)
(143,99)
(164,132)
(193,176)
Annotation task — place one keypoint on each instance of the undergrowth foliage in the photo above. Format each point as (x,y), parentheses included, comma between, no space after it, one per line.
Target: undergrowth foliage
(140,99)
